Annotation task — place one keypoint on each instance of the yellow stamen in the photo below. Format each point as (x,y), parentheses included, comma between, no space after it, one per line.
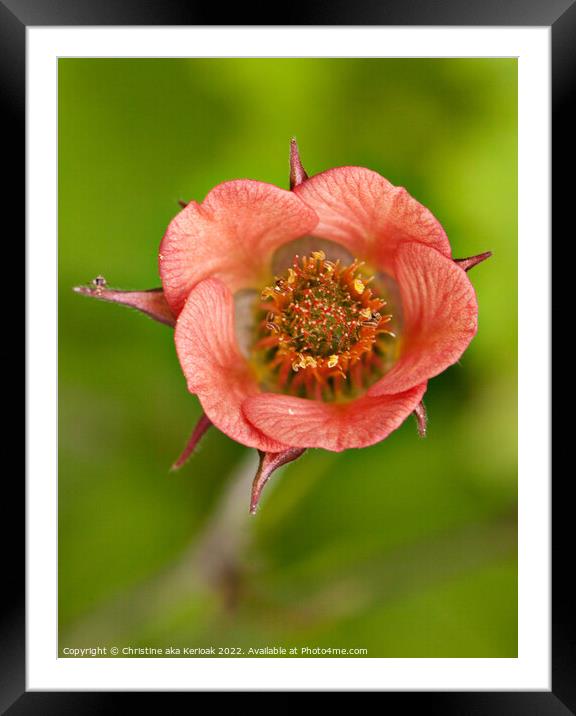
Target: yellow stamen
(325,324)
(359,286)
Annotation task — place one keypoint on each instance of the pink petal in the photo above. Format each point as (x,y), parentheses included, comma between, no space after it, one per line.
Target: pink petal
(151,302)
(332,426)
(199,429)
(440,317)
(230,235)
(269,462)
(366,213)
(214,367)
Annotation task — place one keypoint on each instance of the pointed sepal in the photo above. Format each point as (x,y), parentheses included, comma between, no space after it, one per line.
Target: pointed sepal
(199,429)
(297,171)
(269,462)
(421,419)
(150,302)
(472,261)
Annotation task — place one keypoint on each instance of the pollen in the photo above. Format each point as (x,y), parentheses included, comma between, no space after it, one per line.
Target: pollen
(324,332)
(359,286)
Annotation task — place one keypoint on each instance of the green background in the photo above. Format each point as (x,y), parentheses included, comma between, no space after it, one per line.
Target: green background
(407,548)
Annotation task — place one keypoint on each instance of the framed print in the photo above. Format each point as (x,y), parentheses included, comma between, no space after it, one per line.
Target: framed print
(329,450)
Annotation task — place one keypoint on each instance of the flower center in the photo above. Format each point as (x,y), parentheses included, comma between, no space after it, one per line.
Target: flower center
(324,332)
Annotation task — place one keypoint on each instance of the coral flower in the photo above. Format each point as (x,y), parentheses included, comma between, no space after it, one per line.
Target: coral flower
(309,318)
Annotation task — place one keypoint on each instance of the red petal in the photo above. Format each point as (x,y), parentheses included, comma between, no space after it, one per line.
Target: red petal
(151,302)
(199,429)
(269,462)
(333,426)
(231,236)
(214,367)
(366,213)
(440,316)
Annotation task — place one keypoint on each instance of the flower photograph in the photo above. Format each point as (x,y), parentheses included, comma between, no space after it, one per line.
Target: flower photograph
(287,357)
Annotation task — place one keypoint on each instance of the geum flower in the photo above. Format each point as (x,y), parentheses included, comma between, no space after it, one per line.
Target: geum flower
(309,318)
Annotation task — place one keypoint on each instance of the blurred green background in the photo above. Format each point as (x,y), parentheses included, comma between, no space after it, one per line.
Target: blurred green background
(407,548)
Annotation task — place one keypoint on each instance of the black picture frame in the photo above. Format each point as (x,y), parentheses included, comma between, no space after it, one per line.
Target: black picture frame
(15,16)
